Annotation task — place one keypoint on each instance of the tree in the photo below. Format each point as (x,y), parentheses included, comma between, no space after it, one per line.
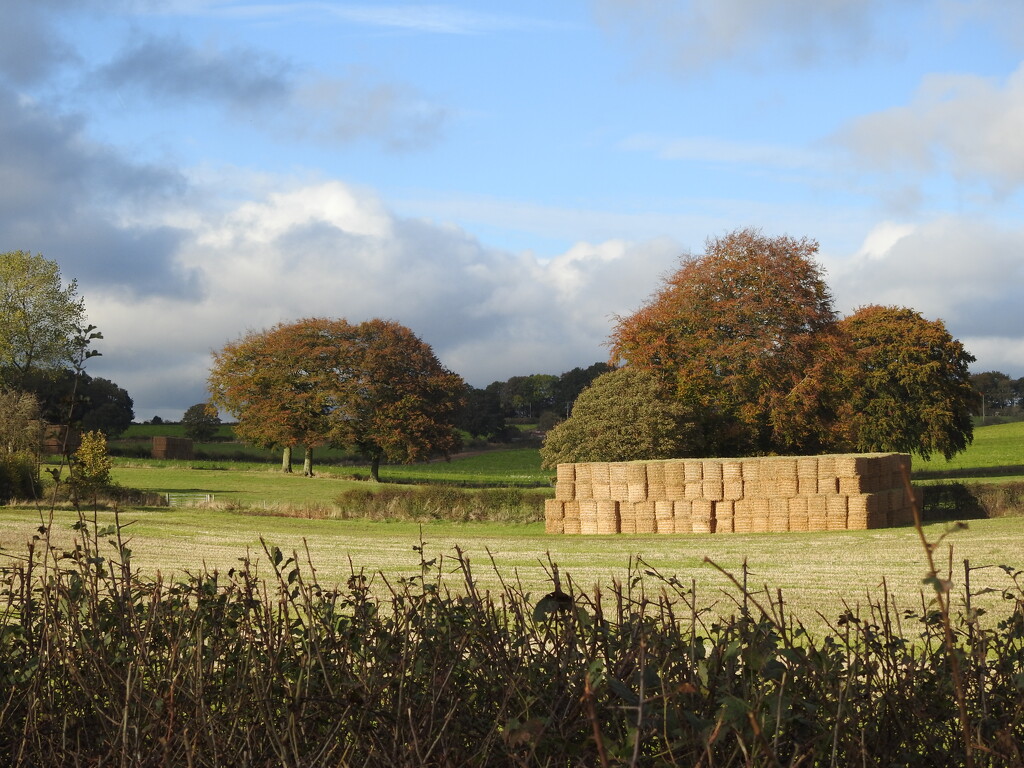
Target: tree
(373,387)
(908,384)
(20,426)
(201,422)
(272,381)
(93,404)
(742,337)
(391,397)
(39,316)
(624,415)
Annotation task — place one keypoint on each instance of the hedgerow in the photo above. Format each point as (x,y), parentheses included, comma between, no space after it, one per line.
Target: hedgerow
(262,665)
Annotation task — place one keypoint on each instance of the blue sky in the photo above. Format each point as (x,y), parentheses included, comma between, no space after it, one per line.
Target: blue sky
(502,178)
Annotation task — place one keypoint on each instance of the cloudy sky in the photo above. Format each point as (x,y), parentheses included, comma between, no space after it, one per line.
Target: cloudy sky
(502,177)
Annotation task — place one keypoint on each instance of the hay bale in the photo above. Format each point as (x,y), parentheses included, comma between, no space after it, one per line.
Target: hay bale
(827,467)
(600,472)
(584,482)
(713,490)
(693,471)
(565,490)
(636,482)
(645,519)
(571,523)
(656,488)
(588,516)
(694,491)
(817,513)
(759,512)
(835,512)
(627,518)
(725,516)
(675,480)
(732,490)
(682,513)
(851,486)
(741,521)
(702,514)
(565,473)
(712,470)
(778,514)
(799,513)
(601,491)
(807,486)
(618,481)
(607,514)
(664,516)
(807,467)
(732,470)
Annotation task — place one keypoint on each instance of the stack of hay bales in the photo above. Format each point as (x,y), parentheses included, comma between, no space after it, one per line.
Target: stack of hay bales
(752,495)
(172,448)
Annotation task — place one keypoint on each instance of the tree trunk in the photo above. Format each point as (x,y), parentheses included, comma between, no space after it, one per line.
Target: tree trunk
(286,460)
(375,469)
(307,462)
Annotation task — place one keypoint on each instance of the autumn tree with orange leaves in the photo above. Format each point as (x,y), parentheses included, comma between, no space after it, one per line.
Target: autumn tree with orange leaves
(372,387)
(746,340)
(744,336)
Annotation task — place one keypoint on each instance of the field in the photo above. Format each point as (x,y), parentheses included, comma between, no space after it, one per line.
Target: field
(997,453)
(815,571)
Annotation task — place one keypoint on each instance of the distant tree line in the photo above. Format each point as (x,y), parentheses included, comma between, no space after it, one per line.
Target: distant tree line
(1000,398)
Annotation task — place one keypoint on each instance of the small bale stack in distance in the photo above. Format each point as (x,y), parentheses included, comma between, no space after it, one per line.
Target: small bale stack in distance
(173,448)
(749,495)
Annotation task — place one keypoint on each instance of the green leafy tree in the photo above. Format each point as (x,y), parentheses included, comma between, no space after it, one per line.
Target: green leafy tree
(909,388)
(40,317)
(623,415)
(743,337)
(201,422)
(90,467)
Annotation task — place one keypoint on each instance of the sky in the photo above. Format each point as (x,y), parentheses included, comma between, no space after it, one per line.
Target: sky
(503,178)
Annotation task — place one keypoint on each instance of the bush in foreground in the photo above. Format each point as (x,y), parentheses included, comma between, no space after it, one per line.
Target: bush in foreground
(100,666)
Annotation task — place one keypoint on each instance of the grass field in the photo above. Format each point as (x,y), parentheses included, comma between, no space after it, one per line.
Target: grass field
(997,453)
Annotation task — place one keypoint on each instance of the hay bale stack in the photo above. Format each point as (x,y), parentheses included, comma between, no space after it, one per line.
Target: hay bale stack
(627,517)
(759,513)
(618,481)
(588,516)
(799,512)
(778,514)
(817,508)
(600,480)
(584,482)
(835,513)
(712,484)
(173,448)
(741,521)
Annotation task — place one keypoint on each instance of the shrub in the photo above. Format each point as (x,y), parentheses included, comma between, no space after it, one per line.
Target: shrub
(441,502)
(19,476)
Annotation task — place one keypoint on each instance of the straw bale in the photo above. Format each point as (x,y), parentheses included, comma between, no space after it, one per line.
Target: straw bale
(600,472)
(853,465)
(702,516)
(807,467)
(645,519)
(732,490)
(618,480)
(759,512)
(712,469)
(656,490)
(694,491)
(836,511)
(584,490)
(600,491)
(826,467)
(693,471)
(675,480)
(784,468)
(552,525)
(799,513)
(627,518)
(565,473)
(725,515)
(636,482)
(817,507)
(713,490)
(850,486)
(571,525)
(682,514)
(607,516)
(553,508)
(778,514)
(702,524)
(785,487)
(565,490)
(863,504)
(571,509)
(741,521)
(752,469)
(664,517)
(756,488)
(857,523)
(807,486)
(732,470)
(584,473)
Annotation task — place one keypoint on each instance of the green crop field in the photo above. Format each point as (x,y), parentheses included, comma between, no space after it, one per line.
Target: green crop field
(997,452)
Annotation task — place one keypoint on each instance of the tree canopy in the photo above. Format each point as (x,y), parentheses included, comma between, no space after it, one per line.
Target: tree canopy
(372,387)
(747,348)
(39,317)
(201,422)
(909,388)
(735,333)
(623,415)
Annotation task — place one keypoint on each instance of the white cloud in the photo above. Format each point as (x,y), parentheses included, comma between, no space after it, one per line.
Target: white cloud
(329,249)
(971,125)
